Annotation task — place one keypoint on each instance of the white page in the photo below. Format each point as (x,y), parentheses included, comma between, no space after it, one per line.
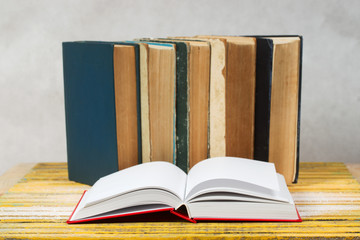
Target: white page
(284,191)
(262,174)
(161,175)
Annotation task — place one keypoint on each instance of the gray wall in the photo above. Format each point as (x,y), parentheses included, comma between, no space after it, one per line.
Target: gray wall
(32,123)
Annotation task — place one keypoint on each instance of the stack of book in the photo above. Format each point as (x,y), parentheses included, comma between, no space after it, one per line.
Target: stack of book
(182,100)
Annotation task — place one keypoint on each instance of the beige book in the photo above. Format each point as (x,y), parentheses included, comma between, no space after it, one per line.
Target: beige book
(144,102)
(161,90)
(284,106)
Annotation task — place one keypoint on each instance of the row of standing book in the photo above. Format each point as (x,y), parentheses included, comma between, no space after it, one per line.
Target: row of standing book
(182,100)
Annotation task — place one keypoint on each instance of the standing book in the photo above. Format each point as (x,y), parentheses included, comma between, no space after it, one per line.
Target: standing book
(101,85)
(198,99)
(239,94)
(216,109)
(161,95)
(216,189)
(182,101)
(277,104)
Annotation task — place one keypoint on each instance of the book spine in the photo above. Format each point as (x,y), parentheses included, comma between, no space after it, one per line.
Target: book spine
(299,113)
(90,110)
(182,104)
(217,118)
(138,100)
(264,61)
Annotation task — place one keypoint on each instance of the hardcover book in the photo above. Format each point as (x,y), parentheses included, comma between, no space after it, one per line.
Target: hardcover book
(239,94)
(198,99)
(158,92)
(182,101)
(96,74)
(277,104)
(161,95)
(216,109)
(221,189)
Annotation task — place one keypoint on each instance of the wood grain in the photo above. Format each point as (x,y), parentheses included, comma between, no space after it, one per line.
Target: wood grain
(354,168)
(9,178)
(37,207)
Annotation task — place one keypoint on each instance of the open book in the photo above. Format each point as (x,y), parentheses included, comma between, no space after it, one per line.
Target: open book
(223,188)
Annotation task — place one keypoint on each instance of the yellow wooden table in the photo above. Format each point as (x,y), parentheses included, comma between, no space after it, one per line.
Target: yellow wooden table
(37,207)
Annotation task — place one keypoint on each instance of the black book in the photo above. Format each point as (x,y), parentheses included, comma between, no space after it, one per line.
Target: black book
(277,103)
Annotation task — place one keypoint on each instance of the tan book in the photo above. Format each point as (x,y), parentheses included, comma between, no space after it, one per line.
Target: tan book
(199,84)
(126,105)
(217,143)
(144,102)
(161,94)
(284,106)
(277,103)
(239,95)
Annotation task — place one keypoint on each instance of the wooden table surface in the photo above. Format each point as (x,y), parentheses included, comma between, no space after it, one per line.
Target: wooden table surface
(38,205)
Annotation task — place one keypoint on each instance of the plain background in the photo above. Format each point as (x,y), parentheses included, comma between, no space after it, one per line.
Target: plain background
(32,119)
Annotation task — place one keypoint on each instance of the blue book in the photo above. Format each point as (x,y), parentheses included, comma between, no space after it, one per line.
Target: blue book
(90,107)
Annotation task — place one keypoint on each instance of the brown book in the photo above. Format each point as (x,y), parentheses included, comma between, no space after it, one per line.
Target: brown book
(239,95)
(199,83)
(161,94)
(126,105)
(284,106)
(278,86)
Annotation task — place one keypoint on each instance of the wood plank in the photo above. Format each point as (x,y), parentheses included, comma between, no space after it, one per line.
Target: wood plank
(354,169)
(12,176)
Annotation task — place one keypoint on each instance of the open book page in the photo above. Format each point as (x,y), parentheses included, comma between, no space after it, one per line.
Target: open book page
(223,174)
(284,191)
(153,175)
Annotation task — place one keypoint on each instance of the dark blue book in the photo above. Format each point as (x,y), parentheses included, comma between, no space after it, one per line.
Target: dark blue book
(90,107)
